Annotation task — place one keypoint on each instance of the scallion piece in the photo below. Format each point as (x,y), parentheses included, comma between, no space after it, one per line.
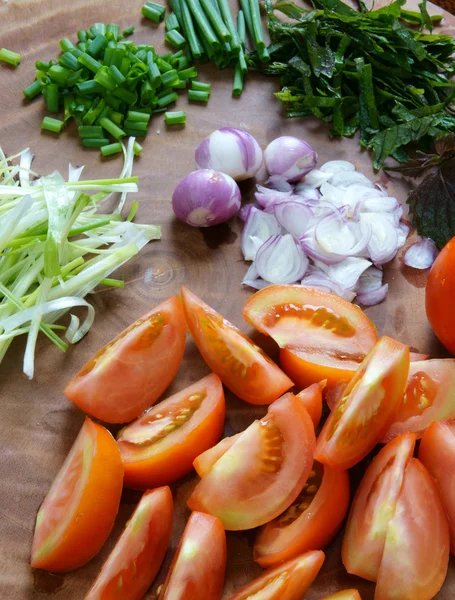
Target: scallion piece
(98,29)
(42,66)
(140,117)
(90,131)
(106,79)
(89,62)
(175,39)
(52,97)
(95,142)
(200,86)
(138,126)
(182,63)
(117,118)
(59,74)
(69,61)
(89,87)
(118,77)
(10,57)
(113,32)
(181,85)
(203,23)
(112,128)
(172,22)
(189,73)
(169,78)
(97,45)
(111,149)
(33,90)
(135,133)
(113,102)
(94,112)
(125,95)
(226,13)
(128,31)
(190,32)
(51,124)
(237,86)
(167,99)
(212,12)
(81,35)
(66,45)
(153,14)
(137,149)
(163,65)
(198,96)
(175,118)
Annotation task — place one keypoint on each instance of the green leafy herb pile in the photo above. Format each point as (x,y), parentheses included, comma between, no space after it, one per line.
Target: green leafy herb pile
(372,71)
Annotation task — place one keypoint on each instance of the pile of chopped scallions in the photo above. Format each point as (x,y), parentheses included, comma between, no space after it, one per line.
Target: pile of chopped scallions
(56,245)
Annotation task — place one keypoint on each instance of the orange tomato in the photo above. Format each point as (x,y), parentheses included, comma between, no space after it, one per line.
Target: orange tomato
(137,556)
(366,410)
(312,401)
(243,367)
(440,292)
(310,523)
(72,523)
(161,445)
(321,336)
(288,581)
(133,370)
(263,472)
(344,595)
(205,461)
(199,566)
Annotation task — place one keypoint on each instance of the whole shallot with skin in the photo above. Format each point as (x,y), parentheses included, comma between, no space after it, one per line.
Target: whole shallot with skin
(289,157)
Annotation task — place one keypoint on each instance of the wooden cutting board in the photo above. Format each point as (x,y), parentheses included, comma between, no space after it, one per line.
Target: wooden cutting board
(37,423)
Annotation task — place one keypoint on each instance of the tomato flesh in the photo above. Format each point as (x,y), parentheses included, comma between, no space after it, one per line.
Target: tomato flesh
(289,581)
(131,372)
(311,522)
(72,525)
(263,471)
(205,461)
(243,367)
(312,401)
(429,397)
(367,408)
(161,445)
(437,453)
(344,595)
(136,558)
(321,336)
(199,565)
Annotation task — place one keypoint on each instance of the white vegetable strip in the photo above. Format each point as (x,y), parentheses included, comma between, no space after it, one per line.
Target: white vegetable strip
(258,228)
(35,322)
(281,260)
(421,255)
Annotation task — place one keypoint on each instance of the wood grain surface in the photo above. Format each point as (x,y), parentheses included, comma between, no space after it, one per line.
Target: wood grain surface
(37,423)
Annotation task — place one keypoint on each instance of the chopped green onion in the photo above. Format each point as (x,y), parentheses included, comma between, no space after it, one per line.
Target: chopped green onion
(117,118)
(33,90)
(153,14)
(97,45)
(112,128)
(182,63)
(50,124)
(175,38)
(111,149)
(116,74)
(89,62)
(139,126)
(175,118)
(90,131)
(190,32)
(66,45)
(128,31)
(95,142)
(59,74)
(198,96)
(106,79)
(137,149)
(81,35)
(172,22)
(42,66)
(200,86)
(138,116)
(118,283)
(237,86)
(69,61)
(125,95)
(94,112)
(98,29)
(181,85)
(189,73)
(113,32)
(170,78)
(211,10)
(205,28)
(167,99)
(52,97)
(89,87)
(10,57)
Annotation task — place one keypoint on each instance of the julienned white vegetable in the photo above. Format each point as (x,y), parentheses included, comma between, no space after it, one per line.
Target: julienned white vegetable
(289,157)
(232,151)
(55,248)
(345,226)
(206,197)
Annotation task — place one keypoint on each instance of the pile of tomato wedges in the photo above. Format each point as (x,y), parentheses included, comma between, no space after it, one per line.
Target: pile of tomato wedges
(277,475)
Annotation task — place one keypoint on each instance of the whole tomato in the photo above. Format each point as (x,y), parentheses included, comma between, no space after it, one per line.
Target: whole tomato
(440,296)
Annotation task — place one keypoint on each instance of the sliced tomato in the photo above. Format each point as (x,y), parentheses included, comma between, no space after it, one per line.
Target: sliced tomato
(263,471)
(312,400)
(344,595)
(161,445)
(243,367)
(374,506)
(72,523)
(199,565)
(205,461)
(137,556)
(310,523)
(367,408)
(429,397)
(321,336)
(289,581)
(416,551)
(437,453)
(133,370)
(417,356)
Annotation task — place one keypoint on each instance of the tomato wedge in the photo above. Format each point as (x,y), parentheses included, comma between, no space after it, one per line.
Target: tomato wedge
(161,445)
(416,552)
(397,533)
(312,401)
(137,556)
(243,367)
(72,524)
(310,523)
(289,581)
(437,453)
(321,336)
(205,461)
(367,407)
(131,372)
(344,595)
(199,566)
(263,471)
(429,396)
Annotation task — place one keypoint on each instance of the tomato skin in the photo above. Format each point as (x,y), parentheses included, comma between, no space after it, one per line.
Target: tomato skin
(367,408)
(416,552)
(439,295)
(437,453)
(373,507)
(205,461)
(137,556)
(249,373)
(174,454)
(321,336)
(429,397)
(288,581)
(264,470)
(313,529)
(312,400)
(131,372)
(199,565)
(344,595)
(82,537)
